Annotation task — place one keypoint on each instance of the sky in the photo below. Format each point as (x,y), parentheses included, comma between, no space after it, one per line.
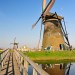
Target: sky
(18,16)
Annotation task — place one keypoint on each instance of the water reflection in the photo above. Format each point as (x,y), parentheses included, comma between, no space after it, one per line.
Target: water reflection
(68,69)
(57,69)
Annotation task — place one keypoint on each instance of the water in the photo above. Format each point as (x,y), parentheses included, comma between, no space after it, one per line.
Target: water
(60,69)
(57,68)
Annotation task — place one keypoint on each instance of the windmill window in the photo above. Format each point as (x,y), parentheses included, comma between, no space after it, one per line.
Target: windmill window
(62,47)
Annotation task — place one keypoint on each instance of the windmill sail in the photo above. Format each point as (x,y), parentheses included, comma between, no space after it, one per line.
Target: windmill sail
(49,6)
(43,5)
(45,10)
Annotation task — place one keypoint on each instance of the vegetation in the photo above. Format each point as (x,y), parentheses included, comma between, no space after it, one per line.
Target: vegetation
(51,55)
(11,50)
(1,51)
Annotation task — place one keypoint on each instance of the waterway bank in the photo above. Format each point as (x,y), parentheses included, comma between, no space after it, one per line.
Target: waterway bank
(51,55)
(1,51)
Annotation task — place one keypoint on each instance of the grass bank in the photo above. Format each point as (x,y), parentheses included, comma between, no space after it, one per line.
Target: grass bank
(56,55)
(1,51)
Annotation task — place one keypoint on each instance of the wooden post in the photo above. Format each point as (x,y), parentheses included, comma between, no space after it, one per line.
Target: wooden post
(34,72)
(1,59)
(21,59)
(21,63)
(0,63)
(25,67)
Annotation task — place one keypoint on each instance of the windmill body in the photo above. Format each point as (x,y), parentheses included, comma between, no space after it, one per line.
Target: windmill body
(53,35)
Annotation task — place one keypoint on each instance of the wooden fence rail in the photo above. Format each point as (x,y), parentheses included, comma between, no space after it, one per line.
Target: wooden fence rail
(23,62)
(3,56)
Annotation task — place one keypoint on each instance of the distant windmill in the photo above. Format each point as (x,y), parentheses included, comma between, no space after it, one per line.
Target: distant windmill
(54,33)
(15,45)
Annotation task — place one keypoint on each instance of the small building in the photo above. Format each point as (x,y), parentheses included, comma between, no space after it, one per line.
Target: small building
(24,48)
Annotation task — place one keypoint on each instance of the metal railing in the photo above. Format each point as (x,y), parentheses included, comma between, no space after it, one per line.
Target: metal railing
(24,62)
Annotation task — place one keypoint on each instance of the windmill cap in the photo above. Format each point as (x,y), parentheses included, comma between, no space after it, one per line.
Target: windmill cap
(54,15)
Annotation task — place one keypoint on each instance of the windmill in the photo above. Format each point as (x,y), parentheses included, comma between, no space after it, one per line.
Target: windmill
(54,34)
(15,45)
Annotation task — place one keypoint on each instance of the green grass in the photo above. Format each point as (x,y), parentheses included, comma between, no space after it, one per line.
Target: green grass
(11,50)
(56,55)
(1,51)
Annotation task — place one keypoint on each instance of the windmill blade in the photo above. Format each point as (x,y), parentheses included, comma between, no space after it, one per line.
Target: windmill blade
(49,6)
(40,35)
(11,43)
(61,24)
(46,10)
(66,35)
(65,25)
(64,32)
(17,44)
(68,71)
(36,23)
(14,39)
(43,5)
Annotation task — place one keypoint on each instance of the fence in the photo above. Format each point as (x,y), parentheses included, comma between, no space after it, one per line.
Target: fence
(23,63)
(3,56)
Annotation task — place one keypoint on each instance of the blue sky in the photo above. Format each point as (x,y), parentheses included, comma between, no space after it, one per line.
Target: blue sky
(17,17)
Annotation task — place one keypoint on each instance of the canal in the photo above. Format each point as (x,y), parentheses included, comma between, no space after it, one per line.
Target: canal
(56,68)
